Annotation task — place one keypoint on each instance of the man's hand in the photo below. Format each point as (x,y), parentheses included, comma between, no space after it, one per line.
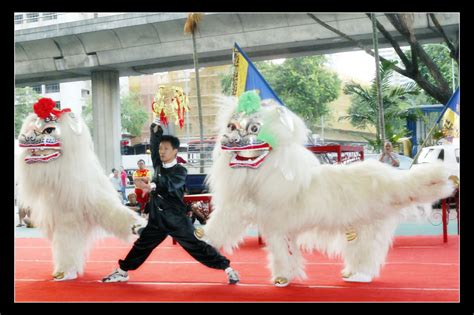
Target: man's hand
(382,156)
(155,128)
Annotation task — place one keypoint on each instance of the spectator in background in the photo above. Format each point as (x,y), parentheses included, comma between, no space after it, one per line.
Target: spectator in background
(25,214)
(141,175)
(112,174)
(388,156)
(133,204)
(124,179)
(117,182)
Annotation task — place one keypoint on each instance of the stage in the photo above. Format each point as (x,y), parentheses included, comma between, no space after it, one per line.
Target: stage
(418,268)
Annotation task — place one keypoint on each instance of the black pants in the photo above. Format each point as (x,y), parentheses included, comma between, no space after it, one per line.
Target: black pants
(177,225)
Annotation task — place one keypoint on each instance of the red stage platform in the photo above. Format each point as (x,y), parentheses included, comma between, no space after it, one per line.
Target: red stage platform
(419,268)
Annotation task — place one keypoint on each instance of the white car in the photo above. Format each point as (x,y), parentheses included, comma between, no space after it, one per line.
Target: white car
(448,153)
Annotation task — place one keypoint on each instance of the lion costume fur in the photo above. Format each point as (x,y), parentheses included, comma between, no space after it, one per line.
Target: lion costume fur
(296,203)
(71,198)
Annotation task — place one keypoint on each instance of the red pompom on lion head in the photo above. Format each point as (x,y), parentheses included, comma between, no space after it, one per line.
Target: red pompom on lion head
(46,106)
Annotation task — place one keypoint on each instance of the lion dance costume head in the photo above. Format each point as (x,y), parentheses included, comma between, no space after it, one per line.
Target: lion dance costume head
(61,180)
(264,176)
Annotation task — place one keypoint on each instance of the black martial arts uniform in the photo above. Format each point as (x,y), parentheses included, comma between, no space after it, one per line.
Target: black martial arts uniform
(167,216)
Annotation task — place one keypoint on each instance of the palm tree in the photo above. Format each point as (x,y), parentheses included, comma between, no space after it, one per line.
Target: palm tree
(363,111)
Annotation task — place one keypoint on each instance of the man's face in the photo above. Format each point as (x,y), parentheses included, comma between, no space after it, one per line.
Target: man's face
(388,147)
(141,165)
(167,153)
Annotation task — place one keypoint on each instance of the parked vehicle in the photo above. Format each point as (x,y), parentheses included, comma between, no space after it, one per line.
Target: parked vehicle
(449,154)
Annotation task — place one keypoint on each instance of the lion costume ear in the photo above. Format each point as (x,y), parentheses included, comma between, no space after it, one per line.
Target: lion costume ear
(75,123)
(286,118)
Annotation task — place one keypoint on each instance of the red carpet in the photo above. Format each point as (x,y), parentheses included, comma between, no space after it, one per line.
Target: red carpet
(421,268)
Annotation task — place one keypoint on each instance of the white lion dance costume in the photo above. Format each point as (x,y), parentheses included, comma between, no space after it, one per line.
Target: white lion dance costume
(62,181)
(263,175)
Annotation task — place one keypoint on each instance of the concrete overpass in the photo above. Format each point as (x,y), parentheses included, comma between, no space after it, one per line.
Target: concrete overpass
(145,43)
(104,48)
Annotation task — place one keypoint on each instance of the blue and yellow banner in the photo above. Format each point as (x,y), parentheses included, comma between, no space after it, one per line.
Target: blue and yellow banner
(247,77)
(450,117)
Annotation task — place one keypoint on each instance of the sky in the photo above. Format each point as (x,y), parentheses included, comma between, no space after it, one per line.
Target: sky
(357,65)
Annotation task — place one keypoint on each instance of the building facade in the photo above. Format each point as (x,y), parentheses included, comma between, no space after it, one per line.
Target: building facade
(73,95)
(25,20)
(210,83)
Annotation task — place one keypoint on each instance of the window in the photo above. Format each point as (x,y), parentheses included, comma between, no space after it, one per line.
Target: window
(58,104)
(85,93)
(38,88)
(32,17)
(18,18)
(50,16)
(52,88)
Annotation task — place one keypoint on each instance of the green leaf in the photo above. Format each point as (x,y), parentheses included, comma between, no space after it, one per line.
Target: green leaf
(24,100)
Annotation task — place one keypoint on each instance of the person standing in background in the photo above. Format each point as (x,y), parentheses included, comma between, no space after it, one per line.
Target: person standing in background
(123,177)
(388,156)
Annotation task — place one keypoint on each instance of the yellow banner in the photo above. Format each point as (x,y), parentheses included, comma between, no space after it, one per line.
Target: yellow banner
(240,74)
(451,124)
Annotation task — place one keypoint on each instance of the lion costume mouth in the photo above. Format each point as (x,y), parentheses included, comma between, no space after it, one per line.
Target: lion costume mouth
(41,151)
(251,156)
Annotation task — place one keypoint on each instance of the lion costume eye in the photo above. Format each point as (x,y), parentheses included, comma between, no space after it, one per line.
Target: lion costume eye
(231,126)
(49,130)
(253,128)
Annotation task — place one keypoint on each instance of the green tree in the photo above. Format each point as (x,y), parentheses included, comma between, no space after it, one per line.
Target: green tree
(133,115)
(87,115)
(24,100)
(303,84)
(441,57)
(226,82)
(363,111)
(437,86)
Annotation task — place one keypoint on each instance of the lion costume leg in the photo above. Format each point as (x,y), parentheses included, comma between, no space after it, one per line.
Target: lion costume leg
(69,247)
(118,219)
(365,254)
(224,229)
(285,259)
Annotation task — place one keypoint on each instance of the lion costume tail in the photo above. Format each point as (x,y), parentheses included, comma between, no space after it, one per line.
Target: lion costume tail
(427,183)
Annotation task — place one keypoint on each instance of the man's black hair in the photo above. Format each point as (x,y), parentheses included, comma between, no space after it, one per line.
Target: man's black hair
(171,139)
(113,170)
(140,160)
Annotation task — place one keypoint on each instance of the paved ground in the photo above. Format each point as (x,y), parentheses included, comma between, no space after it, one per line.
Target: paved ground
(406,228)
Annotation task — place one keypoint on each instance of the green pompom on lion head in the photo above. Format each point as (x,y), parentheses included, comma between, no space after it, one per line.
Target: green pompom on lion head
(249,102)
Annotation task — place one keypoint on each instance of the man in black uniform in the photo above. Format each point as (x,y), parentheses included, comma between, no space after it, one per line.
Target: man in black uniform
(167,213)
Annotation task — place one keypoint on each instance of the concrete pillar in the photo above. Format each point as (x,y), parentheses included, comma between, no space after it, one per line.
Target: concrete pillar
(106,118)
